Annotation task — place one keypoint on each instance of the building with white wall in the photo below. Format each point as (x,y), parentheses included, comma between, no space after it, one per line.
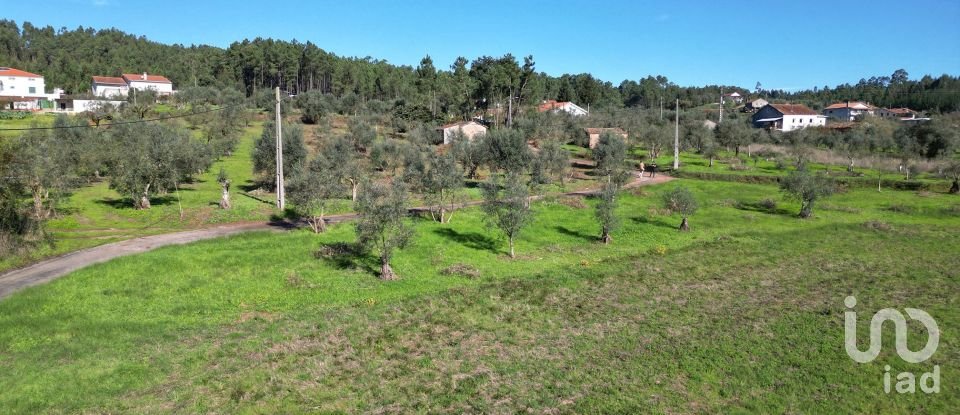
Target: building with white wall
(470,129)
(558,106)
(849,111)
(109,86)
(787,117)
(21,90)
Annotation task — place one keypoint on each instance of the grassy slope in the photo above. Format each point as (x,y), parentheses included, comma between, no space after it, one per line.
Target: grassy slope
(97,215)
(745,313)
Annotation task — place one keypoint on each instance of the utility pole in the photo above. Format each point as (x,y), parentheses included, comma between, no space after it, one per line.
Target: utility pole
(281,196)
(721,106)
(676,139)
(661,108)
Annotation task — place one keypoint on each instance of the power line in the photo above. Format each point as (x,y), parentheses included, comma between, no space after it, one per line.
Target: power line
(170,117)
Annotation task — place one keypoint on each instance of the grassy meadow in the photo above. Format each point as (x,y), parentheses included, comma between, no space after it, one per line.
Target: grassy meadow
(743,314)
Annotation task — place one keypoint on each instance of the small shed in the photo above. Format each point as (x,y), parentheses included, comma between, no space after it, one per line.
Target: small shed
(593,134)
(470,129)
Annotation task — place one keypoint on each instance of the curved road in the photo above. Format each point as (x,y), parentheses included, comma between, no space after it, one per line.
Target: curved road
(53,268)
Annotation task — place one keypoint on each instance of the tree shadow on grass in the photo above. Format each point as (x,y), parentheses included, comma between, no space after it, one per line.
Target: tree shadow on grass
(345,255)
(469,239)
(570,232)
(127,203)
(655,222)
(763,207)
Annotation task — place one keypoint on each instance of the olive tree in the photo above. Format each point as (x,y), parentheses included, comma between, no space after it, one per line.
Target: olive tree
(606,210)
(442,184)
(381,225)
(506,204)
(807,188)
(312,191)
(680,200)
(265,152)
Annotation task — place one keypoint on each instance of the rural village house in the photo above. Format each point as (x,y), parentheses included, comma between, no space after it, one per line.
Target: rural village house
(470,129)
(22,90)
(593,134)
(787,117)
(108,86)
(849,110)
(557,106)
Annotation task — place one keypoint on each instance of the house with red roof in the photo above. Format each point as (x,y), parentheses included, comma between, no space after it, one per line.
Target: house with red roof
(21,90)
(561,106)
(109,86)
(787,117)
(849,111)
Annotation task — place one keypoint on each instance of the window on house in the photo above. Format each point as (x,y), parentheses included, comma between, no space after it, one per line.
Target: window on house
(33,90)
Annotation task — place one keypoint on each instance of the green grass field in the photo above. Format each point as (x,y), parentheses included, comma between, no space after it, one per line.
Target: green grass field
(743,314)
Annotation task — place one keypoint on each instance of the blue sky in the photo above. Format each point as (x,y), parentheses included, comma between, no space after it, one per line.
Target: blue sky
(783,45)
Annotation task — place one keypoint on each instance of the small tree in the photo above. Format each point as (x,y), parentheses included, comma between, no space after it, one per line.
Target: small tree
(361,134)
(807,188)
(312,191)
(470,153)
(313,106)
(442,182)
(224,181)
(265,151)
(380,226)
(610,154)
(953,170)
(606,210)
(680,200)
(710,151)
(506,203)
(553,162)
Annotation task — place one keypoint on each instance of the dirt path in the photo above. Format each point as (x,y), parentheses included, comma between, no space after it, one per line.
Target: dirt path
(53,268)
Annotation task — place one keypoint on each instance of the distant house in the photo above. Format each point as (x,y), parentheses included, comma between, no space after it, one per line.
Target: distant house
(470,129)
(21,90)
(755,105)
(73,104)
(787,117)
(558,106)
(902,114)
(734,97)
(109,86)
(849,110)
(144,81)
(593,134)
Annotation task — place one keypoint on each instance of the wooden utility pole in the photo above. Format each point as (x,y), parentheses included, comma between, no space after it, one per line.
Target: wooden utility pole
(281,196)
(676,138)
(721,107)
(661,108)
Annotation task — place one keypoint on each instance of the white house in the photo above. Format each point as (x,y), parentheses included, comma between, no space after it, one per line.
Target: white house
(755,104)
(109,86)
(787,117)
(144,81)
(734,97)
(21,90)
(470,129)
(557,106)
(849,110)
(593,134)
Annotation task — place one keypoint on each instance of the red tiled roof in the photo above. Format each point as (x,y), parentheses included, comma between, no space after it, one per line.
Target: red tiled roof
(5,71)
(852,104)
(109,80)
(138,77)
(901,111)
(794,109)
(550,105)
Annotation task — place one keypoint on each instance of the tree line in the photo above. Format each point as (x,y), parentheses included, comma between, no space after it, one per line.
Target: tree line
(68,58)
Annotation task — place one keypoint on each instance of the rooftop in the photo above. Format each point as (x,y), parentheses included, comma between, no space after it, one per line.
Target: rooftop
(7,71)
(794,109)
(145,77)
